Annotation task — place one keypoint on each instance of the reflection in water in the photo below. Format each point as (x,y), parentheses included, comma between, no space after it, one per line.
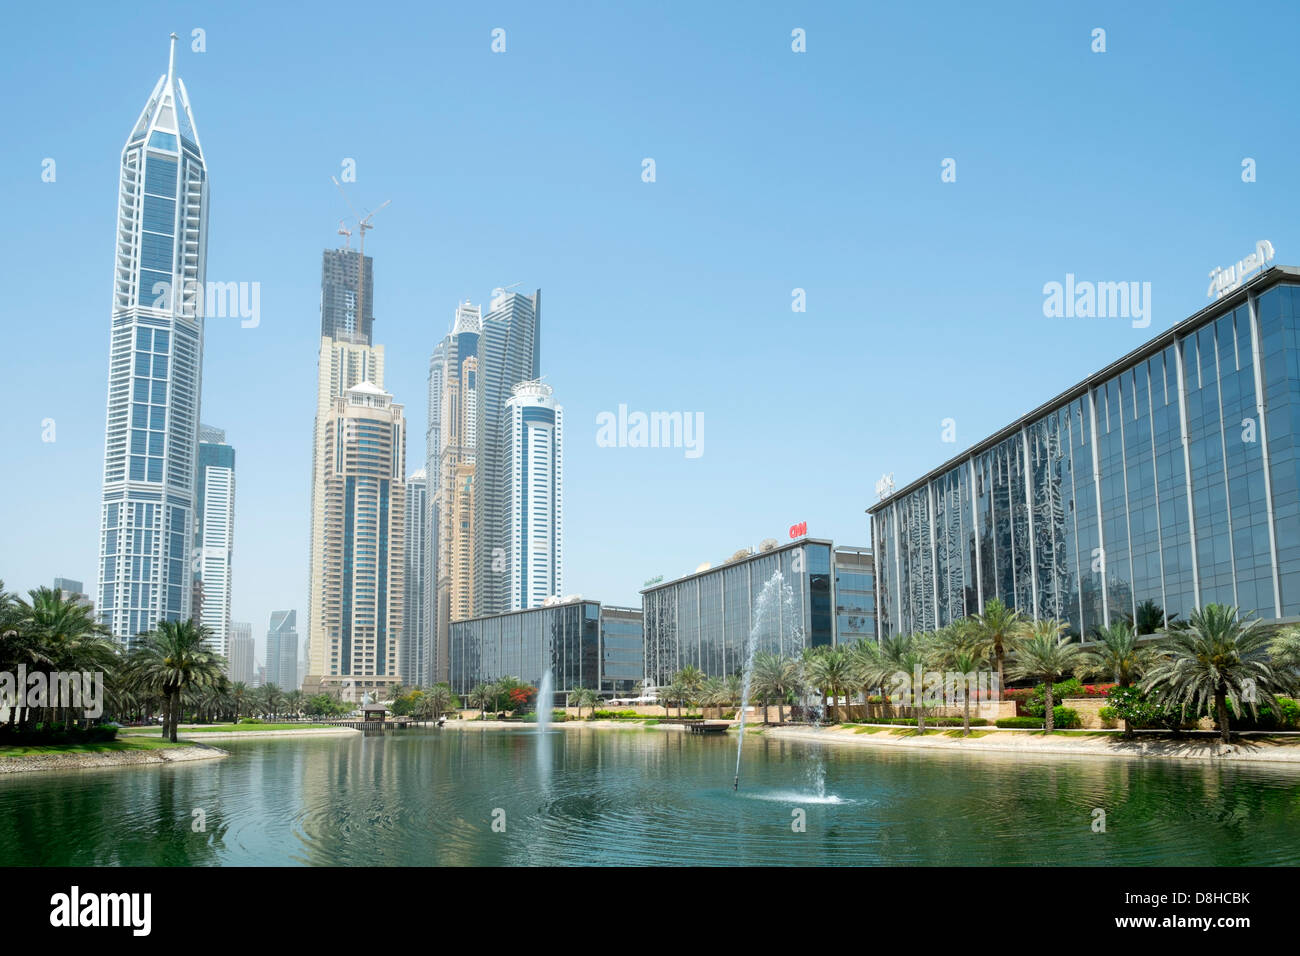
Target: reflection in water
(581,796)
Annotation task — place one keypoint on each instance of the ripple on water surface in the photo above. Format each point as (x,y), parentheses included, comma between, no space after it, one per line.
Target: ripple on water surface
(582,796)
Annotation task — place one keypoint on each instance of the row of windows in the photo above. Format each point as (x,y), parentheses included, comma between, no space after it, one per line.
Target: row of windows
(1034,522)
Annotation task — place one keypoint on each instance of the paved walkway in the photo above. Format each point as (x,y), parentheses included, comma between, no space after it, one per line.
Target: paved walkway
(1242,749)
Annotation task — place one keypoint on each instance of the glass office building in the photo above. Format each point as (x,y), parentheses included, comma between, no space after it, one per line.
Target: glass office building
(704,619)
(583,644)
(146,533)
(1165,482)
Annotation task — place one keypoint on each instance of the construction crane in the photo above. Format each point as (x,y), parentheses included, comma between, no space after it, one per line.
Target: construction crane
(362,224)
(503,289)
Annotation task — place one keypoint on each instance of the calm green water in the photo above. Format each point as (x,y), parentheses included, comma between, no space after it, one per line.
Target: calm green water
(583,796)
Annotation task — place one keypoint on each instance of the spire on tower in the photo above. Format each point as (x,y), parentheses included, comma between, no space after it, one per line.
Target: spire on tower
(171,59)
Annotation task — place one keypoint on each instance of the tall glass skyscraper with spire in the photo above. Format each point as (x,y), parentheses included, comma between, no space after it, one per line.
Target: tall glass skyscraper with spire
(155,367)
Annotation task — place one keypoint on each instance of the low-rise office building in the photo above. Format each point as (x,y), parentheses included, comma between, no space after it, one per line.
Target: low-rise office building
(1165,482)
(583,643)
(806,593)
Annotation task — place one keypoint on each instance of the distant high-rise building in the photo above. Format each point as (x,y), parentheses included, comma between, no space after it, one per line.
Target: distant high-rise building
(357,599)
(510,353)
(536,502)
(346,359)
(73,590)
(155,368)
(240,665)
(347,296)
(259,676)
(415,650)
(282,650)
(214,534)
(455,416)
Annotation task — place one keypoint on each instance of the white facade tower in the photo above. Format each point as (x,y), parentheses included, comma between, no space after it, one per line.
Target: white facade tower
(536,501)
(155,368)
(214,537)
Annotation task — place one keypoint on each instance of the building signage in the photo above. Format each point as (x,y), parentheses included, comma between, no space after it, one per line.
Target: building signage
(653,581)
(1223,281)
(885,486)
(799,530)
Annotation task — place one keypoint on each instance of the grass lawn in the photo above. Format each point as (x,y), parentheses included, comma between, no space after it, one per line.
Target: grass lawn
(89,748)
(220,728)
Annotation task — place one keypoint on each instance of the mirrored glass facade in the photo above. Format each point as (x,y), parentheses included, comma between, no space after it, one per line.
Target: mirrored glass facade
(583,644)
(705,619)
(1169,478)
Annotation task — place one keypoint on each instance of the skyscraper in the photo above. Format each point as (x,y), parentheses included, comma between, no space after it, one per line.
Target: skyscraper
(510,354)
(536,502)
(346,358)
(454,435)
(282,650)
(358,598)
(347,295)
(73,590)
(155,367)
(240,664)
(415,651)
(214,534)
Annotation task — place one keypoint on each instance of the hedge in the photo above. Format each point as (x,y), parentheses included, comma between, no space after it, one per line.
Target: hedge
(929,721)
(1063,718)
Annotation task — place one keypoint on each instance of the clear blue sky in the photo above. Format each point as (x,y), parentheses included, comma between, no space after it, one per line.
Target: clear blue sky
(775,170)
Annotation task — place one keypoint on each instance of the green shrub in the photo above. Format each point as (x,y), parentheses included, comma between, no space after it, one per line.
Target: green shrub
(251,720)
(1288,713)
(56,733)
(929,721)
(615,715)
(1140,710)
(1064,718)
(1035,703)
(1023,723)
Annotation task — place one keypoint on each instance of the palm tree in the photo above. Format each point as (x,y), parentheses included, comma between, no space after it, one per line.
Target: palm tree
(1118,655)
(895,656)
(584,697)
(734,690)
(1042,656)
(66,633)
(440,700)
(867,666)
(480,696)
(293,702)
(909,657)
(776,677)
(1284,650)
(172,658)
(995,633)
(965,663)
(274,698)
(240,695)
(1217,657)
(1150,619)
(831,671)
(691,681)
(951,651)
(675,692)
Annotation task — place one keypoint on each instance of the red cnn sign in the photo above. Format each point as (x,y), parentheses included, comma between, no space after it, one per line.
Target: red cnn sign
(799,530)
